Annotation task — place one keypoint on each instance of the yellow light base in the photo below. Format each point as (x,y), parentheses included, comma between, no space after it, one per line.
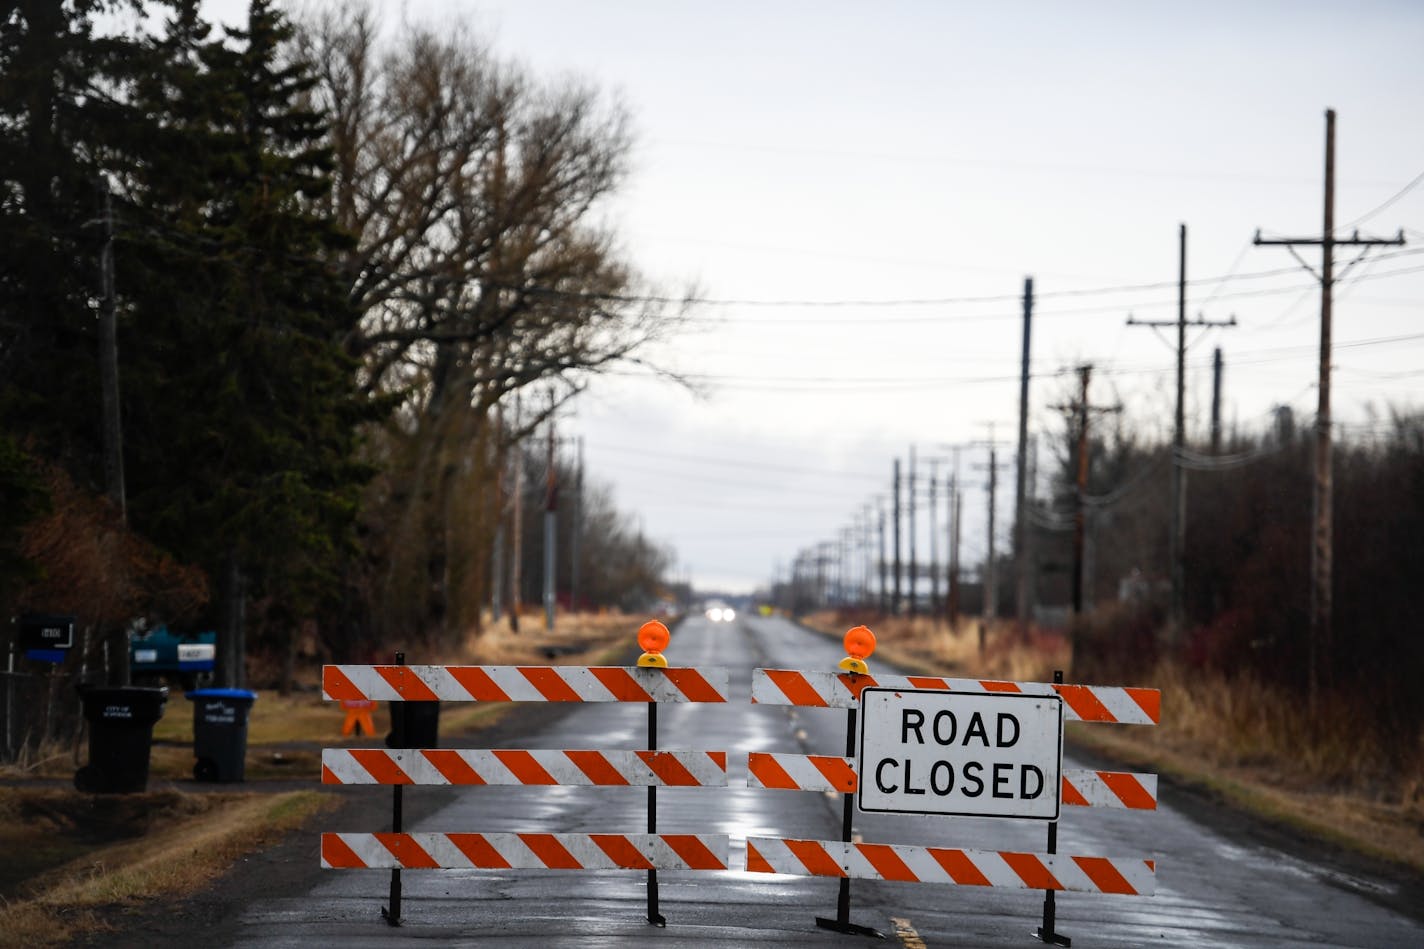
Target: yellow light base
(653,660)
(852,664)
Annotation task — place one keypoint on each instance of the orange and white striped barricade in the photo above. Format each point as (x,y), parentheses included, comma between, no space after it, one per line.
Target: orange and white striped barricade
(915,864)
(1082,703)
(649,682)
(1080,787)
(847,860)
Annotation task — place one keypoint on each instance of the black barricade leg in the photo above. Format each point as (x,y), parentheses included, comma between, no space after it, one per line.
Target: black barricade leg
(842,923)
(391,913)
(654,916)
(1045,932)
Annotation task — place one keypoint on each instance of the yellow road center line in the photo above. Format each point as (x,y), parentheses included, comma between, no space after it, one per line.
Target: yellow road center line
(906,934)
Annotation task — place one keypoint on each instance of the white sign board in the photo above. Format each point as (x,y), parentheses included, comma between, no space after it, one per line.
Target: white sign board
(969,754)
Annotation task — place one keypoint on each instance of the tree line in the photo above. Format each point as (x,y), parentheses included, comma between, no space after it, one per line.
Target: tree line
(331,259)
(1247,562)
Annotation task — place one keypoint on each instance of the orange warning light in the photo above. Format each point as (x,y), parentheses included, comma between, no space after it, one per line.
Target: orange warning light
(859,643)
(653,637)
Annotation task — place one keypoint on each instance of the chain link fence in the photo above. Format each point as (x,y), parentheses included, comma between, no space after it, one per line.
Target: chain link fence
(40,713)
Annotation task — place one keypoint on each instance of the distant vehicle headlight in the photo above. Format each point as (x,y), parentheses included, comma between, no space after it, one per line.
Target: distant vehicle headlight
(719,614)
(728,615)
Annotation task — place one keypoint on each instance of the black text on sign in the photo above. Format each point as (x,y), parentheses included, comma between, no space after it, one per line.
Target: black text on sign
(961,753)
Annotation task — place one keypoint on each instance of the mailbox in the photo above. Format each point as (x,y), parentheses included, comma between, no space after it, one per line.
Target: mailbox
(42,631)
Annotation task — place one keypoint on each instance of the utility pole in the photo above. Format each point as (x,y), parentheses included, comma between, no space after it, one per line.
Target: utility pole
(957,502)
(1030,567)
(1085,374)
(577,531)
(991,587)
(914,570)
(500,486)
(991,573)
(991,579)
(1176,531)
(884,593)
(1082,411)
(1020,484)
(1216,401)
(867,547)
(551,524)
(1318,645)
(109,367)
(516,562)
(895,603)
(116,637)
(497,554)
(823,559)
(844,569)
(934,547)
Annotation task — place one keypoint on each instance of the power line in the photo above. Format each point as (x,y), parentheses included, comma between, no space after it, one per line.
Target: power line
(1196,461)
(892,384)
(1004,315)
(1389,201)
(746,465)
(900,301)
(762,485)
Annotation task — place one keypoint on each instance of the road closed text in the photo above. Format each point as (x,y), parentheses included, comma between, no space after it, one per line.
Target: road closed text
(936,752)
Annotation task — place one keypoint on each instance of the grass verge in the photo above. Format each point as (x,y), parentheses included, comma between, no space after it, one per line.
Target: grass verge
(187,841)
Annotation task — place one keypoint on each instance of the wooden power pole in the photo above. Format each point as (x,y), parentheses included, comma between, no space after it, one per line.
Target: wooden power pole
(1177,527)
(956,511)
(1021,470)
(1319,632)
(1081,411)
(910,522)
(1216,401)
(895,521)
(109,365)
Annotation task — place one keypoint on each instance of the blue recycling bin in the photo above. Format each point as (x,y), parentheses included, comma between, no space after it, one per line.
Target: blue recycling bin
(220,733)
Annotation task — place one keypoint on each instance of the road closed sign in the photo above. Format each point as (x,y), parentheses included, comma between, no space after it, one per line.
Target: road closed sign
(960,753)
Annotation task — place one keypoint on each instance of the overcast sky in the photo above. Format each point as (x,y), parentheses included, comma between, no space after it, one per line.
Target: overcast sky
(867,156)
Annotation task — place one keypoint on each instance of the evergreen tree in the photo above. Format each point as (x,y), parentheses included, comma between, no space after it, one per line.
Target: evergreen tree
(62,110)
(249,413)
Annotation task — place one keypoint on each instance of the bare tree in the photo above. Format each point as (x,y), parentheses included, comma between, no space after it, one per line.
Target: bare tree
(473,194)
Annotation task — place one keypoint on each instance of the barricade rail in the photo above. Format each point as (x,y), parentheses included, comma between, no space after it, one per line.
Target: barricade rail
(910,864)
(1081,787)
(397,683)
(514,851)
(1084,703)
(437,766)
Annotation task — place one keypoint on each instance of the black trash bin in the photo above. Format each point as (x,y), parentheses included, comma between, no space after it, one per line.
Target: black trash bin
(220,733)
(120,735)
(414,725)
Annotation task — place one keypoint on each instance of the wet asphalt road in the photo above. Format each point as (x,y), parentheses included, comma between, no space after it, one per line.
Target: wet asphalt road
(1211,890)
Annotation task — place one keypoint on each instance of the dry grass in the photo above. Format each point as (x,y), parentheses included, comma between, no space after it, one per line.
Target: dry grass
(580,638)
(197,838)
(934,647)
(1328,775)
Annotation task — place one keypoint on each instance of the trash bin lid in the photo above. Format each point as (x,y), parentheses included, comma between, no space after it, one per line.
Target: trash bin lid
(221,694)
(123,702)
